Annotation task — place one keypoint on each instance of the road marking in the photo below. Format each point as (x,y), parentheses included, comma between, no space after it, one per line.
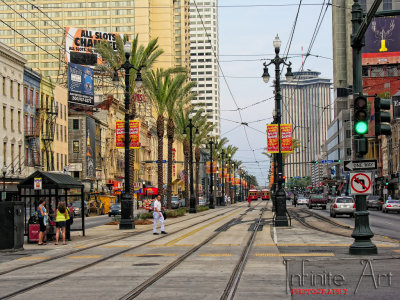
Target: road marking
(175,245)
(294,254)
(34,258)
(197,230)
(216,254)
(225,245)
(317,245)
(84,256)
(151,255)
(116,246)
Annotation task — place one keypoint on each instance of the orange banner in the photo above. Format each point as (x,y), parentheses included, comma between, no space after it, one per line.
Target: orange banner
(272,138)
(286,138)
(214,169)
(208,167)
(134,127)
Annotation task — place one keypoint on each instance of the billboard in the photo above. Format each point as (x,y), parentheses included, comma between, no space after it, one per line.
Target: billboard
(382,37)
(80,45)
(272,138)
(80,84)
(134,128)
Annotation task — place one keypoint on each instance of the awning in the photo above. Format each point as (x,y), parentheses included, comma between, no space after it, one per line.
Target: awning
(150,191)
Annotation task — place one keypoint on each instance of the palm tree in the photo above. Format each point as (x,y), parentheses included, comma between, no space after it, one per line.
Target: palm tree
(181,94)
(219,145)
(160,89)
(230,152)
(142,57)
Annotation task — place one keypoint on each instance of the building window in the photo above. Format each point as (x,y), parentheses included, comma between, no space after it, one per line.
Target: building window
(11,89)
(58,161)
(65,134)
(12,118)
(31,125)
(19,157)
(61,162)
(26,123)
(75,146)
(387,4)
(61,133)
(26,156)
(19,91)
(65,112)
(66,160)
(4,118)
(4,85)
(12,154)
(31,97)
(75,124)
(5,153)
(25,95)
(19,121)
(37,100)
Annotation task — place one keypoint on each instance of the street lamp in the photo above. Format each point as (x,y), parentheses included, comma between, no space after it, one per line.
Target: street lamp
(192,208)
(127,220)
(211,200)
(4,169)
(280,195)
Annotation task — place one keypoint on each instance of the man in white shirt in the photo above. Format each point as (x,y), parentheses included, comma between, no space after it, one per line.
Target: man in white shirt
(157,215)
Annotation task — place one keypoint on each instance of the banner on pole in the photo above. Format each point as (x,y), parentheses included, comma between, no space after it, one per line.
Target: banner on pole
(214,168)
(286,138)
(208,167)
(134,126)
(272,138)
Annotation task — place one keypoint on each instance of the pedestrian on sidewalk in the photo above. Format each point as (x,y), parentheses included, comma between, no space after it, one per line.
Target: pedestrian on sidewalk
(61,220)
(42,221)
(157,215)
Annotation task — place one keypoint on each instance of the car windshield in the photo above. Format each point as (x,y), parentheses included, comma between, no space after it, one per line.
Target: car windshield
(116,206)
(344,200)
(373,197)
(76,204)
(317,196)
(174,199)
(394,201)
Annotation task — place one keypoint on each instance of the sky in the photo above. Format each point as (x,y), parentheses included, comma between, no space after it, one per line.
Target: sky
(246,32)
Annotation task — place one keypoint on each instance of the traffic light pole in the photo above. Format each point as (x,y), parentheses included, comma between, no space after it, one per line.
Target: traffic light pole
(362,233)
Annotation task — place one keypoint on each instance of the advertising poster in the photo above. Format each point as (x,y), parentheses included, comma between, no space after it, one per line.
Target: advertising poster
(80,84)
(286,138)
(37,183)
(134,126)
(80,45)
(272,138)
(382,37)
(208,167)
(214,169)
(90,147)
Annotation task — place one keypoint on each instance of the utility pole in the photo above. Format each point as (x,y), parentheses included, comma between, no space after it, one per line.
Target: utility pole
(362,233)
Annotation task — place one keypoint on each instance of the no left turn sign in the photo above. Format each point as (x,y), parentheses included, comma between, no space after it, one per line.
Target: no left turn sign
(361,183)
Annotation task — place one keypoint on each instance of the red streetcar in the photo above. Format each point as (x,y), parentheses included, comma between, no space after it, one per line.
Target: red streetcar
(253,195)
(265,194)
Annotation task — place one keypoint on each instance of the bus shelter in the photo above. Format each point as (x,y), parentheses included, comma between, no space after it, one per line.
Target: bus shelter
(53,187)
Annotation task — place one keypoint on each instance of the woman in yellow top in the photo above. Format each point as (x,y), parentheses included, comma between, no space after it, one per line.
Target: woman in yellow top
(61,218)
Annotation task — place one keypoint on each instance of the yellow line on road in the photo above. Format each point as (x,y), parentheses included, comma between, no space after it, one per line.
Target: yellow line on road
(294,254)
(84,256)
(151,255)
(316,245)
(216,254)
(34,258)
(197,230)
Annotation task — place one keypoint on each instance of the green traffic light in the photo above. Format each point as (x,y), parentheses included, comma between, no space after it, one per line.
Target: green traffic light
(361,127)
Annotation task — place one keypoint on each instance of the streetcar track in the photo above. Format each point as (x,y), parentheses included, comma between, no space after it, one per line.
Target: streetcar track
(103,259)
(234,280)
(151,280)
(325,219)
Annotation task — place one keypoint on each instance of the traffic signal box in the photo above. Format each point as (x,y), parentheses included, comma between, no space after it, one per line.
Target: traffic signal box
(382,115)
(361,124)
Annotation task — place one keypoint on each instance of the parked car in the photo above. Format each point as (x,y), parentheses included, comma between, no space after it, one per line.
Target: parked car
(317,200)
(302,201)
(175,202)
(374,201)
(391,205)
(77,208)
(115,210)
(343,206)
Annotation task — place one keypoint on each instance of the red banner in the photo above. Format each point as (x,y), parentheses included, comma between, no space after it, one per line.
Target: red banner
(134,128)
(173,159)
(272,138)
(208,167)
(286,138)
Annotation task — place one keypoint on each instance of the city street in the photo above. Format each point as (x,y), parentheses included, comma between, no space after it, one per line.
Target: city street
(91,222)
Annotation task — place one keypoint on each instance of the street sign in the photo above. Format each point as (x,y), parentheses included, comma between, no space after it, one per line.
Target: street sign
(3,195)
(163,161)
(354,165)
(327,161)
(361,183)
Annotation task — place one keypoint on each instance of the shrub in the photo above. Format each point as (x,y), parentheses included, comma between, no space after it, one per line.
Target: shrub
(202,208)
(147,215)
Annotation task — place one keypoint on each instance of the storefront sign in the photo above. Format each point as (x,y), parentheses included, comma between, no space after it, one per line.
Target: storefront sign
(286,138)
(272,138)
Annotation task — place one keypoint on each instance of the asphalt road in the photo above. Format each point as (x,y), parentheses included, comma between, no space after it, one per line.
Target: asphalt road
(91,222)
(380,223)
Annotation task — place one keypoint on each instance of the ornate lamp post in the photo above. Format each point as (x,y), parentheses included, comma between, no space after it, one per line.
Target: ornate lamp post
(211,200)
(192,201)
(127,220)
(280,195)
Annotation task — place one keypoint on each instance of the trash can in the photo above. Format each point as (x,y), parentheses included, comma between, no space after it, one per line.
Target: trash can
(33,229)
(12,215)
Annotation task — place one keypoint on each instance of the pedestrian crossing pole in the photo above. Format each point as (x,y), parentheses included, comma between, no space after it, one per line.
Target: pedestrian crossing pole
(362,233)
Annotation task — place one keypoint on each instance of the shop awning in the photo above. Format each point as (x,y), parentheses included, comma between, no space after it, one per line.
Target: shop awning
(150,191)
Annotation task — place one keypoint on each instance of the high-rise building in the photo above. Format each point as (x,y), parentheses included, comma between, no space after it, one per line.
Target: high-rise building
(203,55)
(306,104)
(37,29)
